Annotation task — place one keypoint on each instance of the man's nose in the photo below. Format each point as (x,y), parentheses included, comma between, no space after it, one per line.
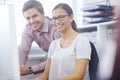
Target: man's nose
(32,20)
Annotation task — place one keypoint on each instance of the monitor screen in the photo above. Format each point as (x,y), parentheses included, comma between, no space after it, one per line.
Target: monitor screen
(9,66)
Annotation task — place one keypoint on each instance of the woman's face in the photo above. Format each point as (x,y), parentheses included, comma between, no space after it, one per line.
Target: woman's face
(61,19)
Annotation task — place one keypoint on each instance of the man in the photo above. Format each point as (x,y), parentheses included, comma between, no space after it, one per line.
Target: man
(38,29)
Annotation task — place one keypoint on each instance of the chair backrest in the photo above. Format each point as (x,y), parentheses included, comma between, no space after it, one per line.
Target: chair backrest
(93,63)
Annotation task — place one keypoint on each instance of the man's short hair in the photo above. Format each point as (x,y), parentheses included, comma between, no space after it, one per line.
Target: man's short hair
(33,4)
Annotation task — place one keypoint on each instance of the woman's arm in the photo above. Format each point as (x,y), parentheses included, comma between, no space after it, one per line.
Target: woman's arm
(45,74)
(80,70)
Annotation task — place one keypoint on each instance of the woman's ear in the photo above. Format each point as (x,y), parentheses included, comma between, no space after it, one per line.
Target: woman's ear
(71,17)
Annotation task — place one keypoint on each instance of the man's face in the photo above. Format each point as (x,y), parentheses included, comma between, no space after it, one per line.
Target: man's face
(34,18)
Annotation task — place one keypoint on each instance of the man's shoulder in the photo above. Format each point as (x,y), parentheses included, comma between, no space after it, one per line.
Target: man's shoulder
(54,42)
(28,30)
(50,24)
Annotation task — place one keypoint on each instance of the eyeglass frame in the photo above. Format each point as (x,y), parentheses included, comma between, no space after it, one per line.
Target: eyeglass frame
(59,18)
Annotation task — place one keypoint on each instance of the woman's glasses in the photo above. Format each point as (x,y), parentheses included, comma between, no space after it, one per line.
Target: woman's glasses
(59,18)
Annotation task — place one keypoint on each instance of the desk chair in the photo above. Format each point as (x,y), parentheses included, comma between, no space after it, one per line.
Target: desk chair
(93,63)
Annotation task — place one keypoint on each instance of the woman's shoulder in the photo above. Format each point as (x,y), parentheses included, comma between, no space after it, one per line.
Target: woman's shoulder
(82,37)
(54,44)
(82,41)
(56,41)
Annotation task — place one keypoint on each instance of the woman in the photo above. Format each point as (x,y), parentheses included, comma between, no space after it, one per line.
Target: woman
(68,56)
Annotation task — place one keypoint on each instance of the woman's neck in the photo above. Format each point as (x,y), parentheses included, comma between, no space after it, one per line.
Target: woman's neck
(69,33)
(67,38)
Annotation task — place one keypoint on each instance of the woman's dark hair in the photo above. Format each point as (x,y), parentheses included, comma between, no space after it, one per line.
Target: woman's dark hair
(33,4)
(69,11)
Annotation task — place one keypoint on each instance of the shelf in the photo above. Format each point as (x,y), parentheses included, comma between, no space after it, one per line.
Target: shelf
(83,30)
(98,24)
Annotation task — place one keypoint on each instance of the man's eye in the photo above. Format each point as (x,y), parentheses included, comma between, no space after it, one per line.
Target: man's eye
(54,18)
(27,18)
(34,16)
(60,16)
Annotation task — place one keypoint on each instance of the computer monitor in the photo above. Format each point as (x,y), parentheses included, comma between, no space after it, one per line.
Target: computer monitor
(9,66)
